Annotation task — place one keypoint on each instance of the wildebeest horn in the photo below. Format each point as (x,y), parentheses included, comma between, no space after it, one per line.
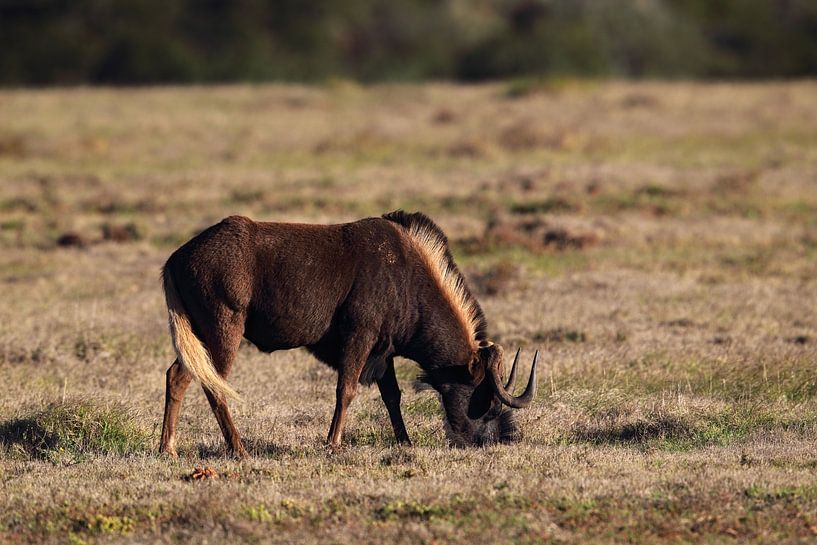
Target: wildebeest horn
(516,402)
(512,377)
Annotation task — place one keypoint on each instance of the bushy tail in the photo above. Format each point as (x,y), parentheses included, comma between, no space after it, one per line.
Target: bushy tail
(189,349)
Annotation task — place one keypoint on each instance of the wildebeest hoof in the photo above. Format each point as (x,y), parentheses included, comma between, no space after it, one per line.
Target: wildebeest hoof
(238,453)
(168,451)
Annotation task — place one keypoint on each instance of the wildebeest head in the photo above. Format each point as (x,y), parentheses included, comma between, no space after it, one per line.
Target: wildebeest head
(477,402)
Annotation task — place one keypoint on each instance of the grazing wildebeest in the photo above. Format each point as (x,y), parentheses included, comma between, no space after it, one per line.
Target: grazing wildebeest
(355,295)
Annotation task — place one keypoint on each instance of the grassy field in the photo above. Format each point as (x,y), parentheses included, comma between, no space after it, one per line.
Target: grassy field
(657,242)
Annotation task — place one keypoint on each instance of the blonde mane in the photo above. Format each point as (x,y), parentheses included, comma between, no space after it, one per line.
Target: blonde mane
(433,248)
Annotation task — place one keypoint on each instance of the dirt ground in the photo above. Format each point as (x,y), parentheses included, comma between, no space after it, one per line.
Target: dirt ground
(656,241)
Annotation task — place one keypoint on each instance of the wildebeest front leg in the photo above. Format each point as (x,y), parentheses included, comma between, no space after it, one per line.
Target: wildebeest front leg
(390,392)
(346,391)
(178,379)
(349,371)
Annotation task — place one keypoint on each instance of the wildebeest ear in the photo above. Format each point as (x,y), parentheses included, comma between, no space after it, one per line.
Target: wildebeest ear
(477,367)
(481,400)
(483,359)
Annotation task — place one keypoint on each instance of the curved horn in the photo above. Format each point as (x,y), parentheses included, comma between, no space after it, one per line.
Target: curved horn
(512,378)
(516,402)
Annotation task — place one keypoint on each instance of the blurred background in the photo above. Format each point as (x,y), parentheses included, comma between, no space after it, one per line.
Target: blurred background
(47,42)
(631,188)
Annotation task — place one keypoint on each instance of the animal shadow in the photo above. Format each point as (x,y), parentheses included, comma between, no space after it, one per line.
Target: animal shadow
(27,435)
(640,431)
(260,448)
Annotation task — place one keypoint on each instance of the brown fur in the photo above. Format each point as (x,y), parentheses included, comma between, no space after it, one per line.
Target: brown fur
(355,295)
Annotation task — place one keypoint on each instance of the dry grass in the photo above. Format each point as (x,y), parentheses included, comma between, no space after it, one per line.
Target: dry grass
(658,243)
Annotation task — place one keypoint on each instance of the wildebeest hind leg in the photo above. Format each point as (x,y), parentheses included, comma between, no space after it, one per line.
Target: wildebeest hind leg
(225,421)
(390,392)
(223,347)
(178,379)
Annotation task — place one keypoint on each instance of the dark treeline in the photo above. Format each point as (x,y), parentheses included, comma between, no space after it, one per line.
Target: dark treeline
(150,41)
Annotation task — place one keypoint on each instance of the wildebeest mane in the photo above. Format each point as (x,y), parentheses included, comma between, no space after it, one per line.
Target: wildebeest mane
(432,244)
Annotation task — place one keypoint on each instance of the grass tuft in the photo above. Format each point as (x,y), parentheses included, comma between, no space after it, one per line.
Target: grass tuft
(257,513)
(411,510)
(104,524)
(71,431)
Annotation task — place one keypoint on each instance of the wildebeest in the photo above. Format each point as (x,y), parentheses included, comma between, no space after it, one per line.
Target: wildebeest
(355,295)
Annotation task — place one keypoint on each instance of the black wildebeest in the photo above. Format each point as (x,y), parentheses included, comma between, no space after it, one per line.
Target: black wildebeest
(355,295)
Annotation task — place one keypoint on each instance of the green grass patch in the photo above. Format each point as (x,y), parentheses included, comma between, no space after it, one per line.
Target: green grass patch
(14,224)
(104,524)
(525,86)
(682,430)
(370,435)
(406,369)
(72,431)
(427,405)
(412,510)
(257,513)
(775,380)
(650,199)
(799,210)
(549,264)
(781,494)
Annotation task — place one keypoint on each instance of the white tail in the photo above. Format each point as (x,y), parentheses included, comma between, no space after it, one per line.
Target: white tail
(189,349)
